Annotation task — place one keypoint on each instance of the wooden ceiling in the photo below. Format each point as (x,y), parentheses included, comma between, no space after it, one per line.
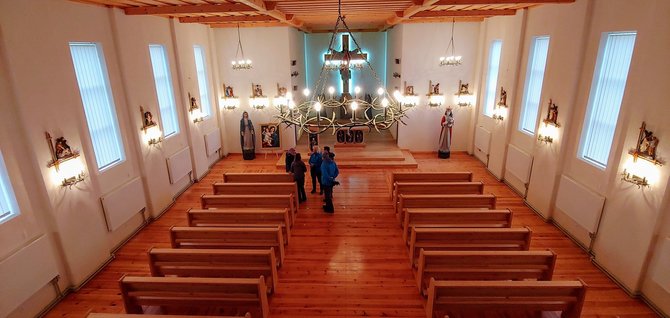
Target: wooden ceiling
(320,15)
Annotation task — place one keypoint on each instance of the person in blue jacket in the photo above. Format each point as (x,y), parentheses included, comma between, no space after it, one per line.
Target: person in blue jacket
(315,160)
(329,172)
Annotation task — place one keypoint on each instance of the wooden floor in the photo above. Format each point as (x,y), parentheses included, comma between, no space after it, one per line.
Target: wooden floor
(352,263)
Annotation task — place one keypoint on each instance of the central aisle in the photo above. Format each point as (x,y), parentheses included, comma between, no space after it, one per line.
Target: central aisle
(351,263)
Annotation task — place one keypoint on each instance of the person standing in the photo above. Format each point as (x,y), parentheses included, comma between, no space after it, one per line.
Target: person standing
(329,172)
(315,160)
(298,169)
(290,155)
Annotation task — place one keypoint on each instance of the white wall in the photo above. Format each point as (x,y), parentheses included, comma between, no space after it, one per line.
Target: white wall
(422,46)
(394,51)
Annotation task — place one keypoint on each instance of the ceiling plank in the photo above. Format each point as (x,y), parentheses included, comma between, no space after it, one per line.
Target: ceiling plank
(259,5)
(190,9)
(463,13)
(409,12)
(246,25)
(492,2)
(228,19)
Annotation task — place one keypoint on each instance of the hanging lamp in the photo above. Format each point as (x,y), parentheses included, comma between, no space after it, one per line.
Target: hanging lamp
(453,59)
(240,63)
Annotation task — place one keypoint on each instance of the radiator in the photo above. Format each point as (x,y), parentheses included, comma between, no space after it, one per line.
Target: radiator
(123,203)
(661,274)
(581,205)
(518,165)
(482,144)
(26,272)
(179,165)
(213,142)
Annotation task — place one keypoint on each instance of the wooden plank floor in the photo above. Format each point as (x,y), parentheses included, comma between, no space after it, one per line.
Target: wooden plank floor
(352,263)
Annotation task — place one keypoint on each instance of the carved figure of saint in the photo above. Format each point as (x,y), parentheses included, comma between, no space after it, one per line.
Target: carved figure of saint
(247,139)
(447,124)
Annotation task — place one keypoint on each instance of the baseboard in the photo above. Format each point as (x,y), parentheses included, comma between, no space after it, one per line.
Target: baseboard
(653,306)
(631,293)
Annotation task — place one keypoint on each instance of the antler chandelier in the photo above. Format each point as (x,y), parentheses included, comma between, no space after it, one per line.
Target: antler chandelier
(321,112)
(240,64)
(453,59)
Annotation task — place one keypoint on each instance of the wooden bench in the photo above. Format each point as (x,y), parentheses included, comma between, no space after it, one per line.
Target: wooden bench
(484,265)
(459,176)
(178,293)
(257,188)
(450,239)
(453,298)
(280,201)
(436,188)
(215,263)
(454,218)
(99,315)
(479,201)
(229,238)
(242,217)
(260,177)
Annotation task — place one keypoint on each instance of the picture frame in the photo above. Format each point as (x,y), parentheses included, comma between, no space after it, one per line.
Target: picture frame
(313,139)
(270,136)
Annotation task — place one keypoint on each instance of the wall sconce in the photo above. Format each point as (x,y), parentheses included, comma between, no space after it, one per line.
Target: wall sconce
(434,97)
(396,75)
(463,96)
(408,99)
(549,131)
(152,133)
(229,101)
(500,111)
(642,172)
(193,108)
(69,169)
(295,74)
(258,100)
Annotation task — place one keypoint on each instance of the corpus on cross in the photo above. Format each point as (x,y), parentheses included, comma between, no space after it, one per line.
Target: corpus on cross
(345,57)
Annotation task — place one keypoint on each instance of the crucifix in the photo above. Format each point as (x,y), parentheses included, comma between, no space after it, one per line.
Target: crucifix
(345,57)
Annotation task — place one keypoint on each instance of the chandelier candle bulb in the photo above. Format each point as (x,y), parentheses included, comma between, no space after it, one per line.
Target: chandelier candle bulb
(380,91)
(306,92)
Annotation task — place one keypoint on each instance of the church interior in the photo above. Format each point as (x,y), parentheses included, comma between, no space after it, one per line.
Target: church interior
(495,158)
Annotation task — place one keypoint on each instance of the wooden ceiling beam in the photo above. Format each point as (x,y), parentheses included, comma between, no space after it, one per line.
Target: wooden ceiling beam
(262,8)
(246,25)
(190,9)
(418,6)
(228,19)
(463,13)
(479,2)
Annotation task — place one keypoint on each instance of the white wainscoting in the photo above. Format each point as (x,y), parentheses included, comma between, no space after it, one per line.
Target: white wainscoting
(123,203)
(518,168)
(578,209)
(179,165)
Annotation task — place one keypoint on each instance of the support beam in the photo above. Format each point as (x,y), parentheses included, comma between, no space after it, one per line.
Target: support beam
(463,13)
(480,2)
(417,7)
(228,19)
(190,9)
(246,25)
(261,7)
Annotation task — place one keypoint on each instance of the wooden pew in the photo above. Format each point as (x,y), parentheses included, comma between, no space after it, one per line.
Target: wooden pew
(479,201)
(215,263)
(239,294)
(459,176)
(281,201)
(452,298)
(450,239)
(257,188)
(229,238)
(260,177)
(100,315)
(242,217)
(454,218)
(436,188)
(484,265)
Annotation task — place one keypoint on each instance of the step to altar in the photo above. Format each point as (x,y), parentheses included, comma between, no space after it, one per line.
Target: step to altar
(352,158)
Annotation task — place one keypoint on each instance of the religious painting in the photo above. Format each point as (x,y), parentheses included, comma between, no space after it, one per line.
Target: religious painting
(358,136)
(270,136)
(552,114)
(646,144)
(313,140)
(60,150)
(341,136)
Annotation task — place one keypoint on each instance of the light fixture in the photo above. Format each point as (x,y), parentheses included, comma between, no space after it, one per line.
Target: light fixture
(193,108)
(453,59)
(500,110)
(283,99)
(240,62)
(68,167)
(643,172)
(435,99)
(409,99)
(375,113)
(152,132)
(463,96)
(229,101)
(548,131)
(257,99)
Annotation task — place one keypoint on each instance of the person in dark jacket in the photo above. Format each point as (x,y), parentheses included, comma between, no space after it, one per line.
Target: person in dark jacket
(315,160)
(298,169)
(290,155)
(329,172)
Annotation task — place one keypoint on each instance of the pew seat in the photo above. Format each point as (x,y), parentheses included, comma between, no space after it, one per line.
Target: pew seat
(243,188)
(258,177)
(437,188)
(478,201)
(241,217)
(275,201)
(454,218)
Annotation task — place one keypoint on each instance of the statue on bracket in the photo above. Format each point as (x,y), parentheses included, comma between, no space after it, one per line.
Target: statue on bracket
(447,124)
(247,137)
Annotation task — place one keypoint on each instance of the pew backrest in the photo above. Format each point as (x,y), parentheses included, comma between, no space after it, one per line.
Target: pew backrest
(482,297)
(478,201)
(467,239)
(241,218)
(455,218)
(106,315)
(281,201)
(215,263)
(244,294)
(462,187)
(260,177)
(459,176)
(484,265)
(244,188)
(229,238)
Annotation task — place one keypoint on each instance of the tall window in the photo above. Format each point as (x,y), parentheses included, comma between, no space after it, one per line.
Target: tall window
(492,77)
(163,80)
(8,206)
(537,60)
(607,88)
(96,95)
(202,79)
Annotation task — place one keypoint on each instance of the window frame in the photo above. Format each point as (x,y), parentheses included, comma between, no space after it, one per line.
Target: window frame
(205,103)
(7,194)
(491,92)
(173,107)
(525,103)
